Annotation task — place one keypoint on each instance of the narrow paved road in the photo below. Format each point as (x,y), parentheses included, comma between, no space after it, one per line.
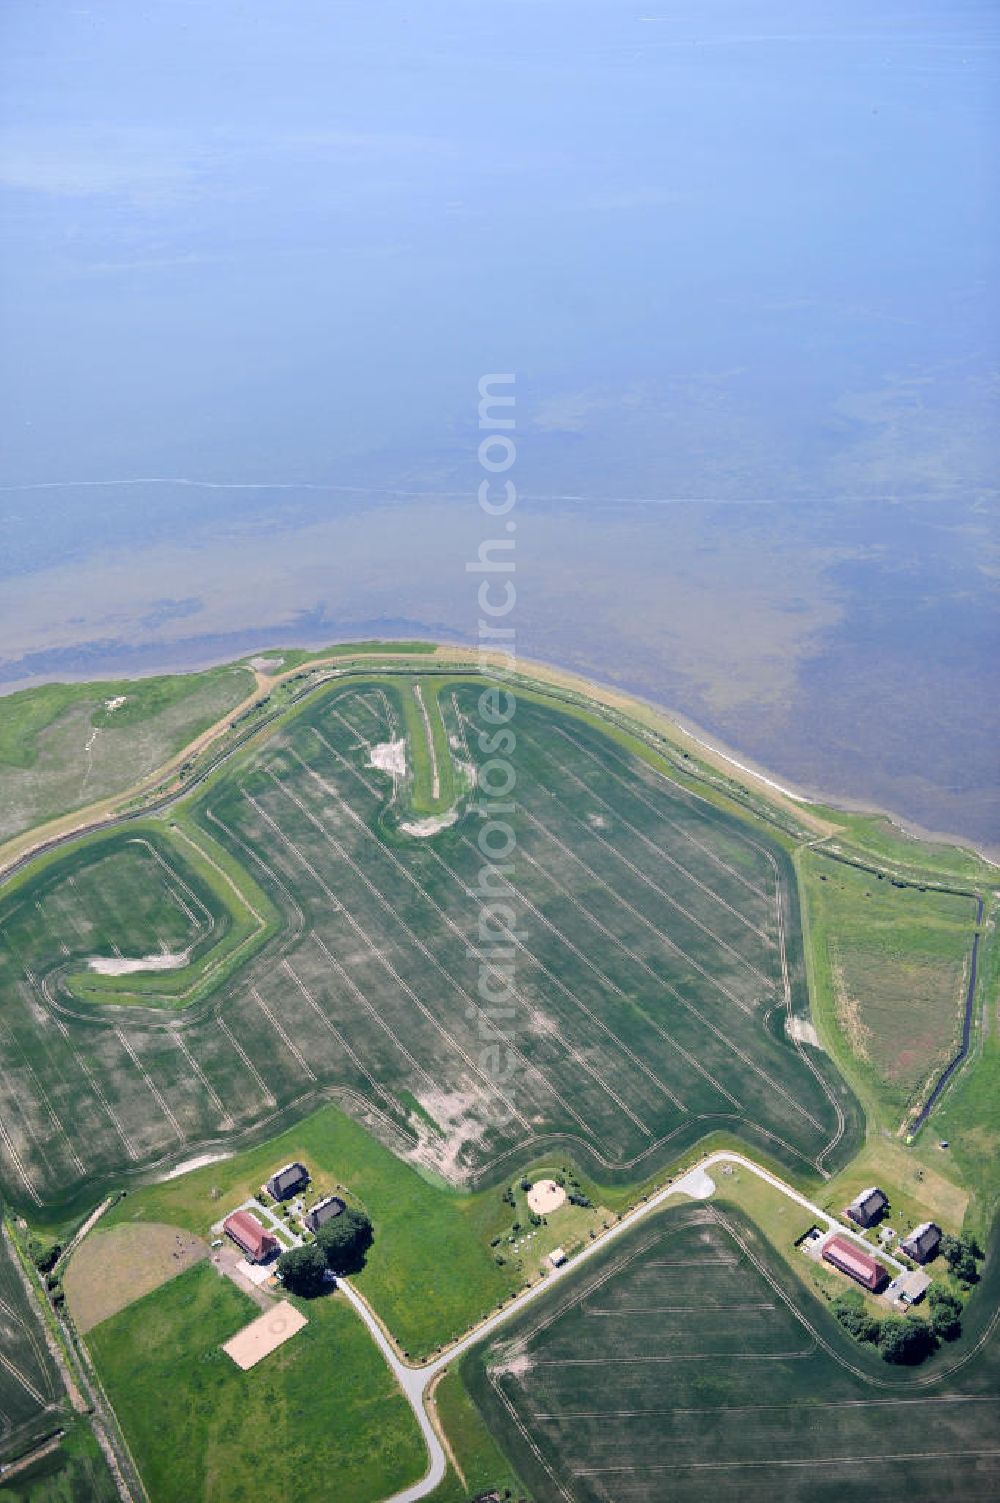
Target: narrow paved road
(414,1381)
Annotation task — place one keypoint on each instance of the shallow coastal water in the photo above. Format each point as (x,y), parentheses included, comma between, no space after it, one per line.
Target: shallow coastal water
(852,654)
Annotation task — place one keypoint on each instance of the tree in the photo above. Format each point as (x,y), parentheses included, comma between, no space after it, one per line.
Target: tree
(849,1308)
(904,1342)
(345,1241)
(44,1258)
(946,1313)
(960,1256)
(303,1270)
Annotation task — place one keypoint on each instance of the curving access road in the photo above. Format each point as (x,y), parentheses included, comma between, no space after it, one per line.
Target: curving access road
(697,1183)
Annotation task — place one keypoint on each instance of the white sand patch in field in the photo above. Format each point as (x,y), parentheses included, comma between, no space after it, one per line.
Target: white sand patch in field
(115,703)
(266,665)
(429,826)
(197,1163)
(543,1025)
(515,1366)
(166,960)
(264,1335)
(455,1112)
(695,1183)
(389,756)
(545,1196)
(803,1031)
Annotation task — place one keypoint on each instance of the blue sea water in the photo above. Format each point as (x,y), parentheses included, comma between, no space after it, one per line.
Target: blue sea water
(741,255)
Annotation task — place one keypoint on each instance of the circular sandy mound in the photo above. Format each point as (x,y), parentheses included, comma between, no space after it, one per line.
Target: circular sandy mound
(545,1196)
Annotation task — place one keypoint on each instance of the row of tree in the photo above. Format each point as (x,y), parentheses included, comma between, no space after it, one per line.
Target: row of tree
(961,1255)
(899,1339)
(341,1246)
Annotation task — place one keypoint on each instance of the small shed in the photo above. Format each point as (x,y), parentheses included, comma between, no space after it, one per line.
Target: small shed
(908,1288)
(557,1257)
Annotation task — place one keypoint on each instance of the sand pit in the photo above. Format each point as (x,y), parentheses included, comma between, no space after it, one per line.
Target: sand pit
(545,1196)
(803,1031)
(389,756)
(264,1335)
(196,1163)
(431,825)
(120,966)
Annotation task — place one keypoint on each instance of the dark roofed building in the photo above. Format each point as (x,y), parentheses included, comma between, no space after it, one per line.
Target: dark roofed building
(923,1242)
(323,1211)
(248,1234)
(855,1263)
(287,1181)
(867,1207)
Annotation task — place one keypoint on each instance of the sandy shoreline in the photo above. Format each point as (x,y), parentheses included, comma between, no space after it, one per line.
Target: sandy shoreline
(600,690)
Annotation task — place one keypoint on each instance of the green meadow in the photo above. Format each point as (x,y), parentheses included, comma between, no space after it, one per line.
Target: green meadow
(63,746)
(890,975)
(320,1416)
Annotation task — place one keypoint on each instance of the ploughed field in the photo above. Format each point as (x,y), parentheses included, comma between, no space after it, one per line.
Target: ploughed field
(281,937)
(681,1364)
(33,1402)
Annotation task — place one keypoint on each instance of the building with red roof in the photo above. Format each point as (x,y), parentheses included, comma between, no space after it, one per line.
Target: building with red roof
(856,1264)
(248,1234)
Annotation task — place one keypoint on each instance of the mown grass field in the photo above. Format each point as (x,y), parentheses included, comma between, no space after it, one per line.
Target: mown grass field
(682,1365)
(62,748)
(115,1265)
(891,971)
(33,1402)
(320,1417)
(655,962)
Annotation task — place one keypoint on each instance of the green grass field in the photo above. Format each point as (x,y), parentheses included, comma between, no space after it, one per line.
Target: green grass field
(891,970)
(318,1418)
(61,747)
(435,780)
(683,1364)
(295,656)
(484,1468)
(654,963)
